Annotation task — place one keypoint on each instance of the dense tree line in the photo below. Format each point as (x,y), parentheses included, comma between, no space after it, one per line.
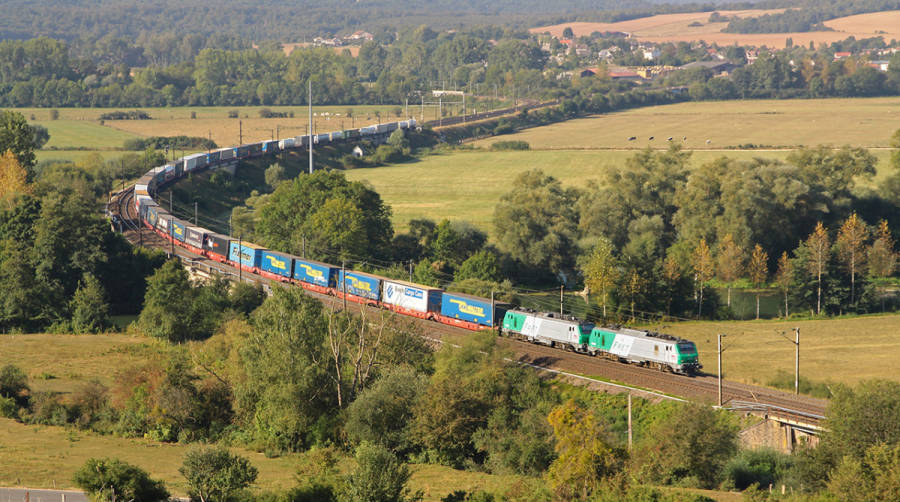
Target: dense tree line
(63,267)
(185,25)
(809,16)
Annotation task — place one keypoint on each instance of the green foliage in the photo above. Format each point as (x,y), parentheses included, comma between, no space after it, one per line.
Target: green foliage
(123,115)
(536,223)
(337,217)
(873,478)
(90,312)
(14,384)
(17,136)
(762,467)
(379,477)
(216,475)
(585,458)
(694,442)
(502,146)
(274,175)
(109,480)
(785,380)
(281,400)
(484,265)
(173,142)
(381,413)
(169,294)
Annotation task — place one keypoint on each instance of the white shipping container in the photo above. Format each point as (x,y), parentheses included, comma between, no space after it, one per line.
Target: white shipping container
(286,143)
(194,161)
(410,296)
(226,153)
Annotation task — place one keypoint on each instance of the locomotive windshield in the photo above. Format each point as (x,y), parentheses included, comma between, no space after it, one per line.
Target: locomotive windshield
(687,348)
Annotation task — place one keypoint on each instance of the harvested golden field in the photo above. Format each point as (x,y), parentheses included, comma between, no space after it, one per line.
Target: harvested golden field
(660,25)
(833,350)
(865,122)
(873,24)
(675,28)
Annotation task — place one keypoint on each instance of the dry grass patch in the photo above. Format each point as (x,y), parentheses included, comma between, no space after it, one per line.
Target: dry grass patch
(60,363)
(832,350)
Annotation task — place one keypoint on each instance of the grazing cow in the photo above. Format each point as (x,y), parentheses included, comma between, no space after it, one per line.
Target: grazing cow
(669,138)
(632,138)
(708,141)
(651,138)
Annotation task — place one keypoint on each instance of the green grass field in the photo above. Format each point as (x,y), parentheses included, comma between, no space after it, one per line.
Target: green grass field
(867,122)
(466,185)
(72,134)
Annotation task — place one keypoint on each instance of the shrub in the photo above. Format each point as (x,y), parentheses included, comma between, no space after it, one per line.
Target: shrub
(510,145)
(233,114)
(54,114)
(215,475)
(112,479)
(761,467)
(14,384)
(121,115)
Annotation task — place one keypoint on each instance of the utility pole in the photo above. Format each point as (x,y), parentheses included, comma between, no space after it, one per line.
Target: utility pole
(422,114)
(440,110)
(240,132)
(195,213)
(407,107)
(464,107)
(410,270)
(170,201)
(797,361)
(309,98)
(240,253)
(629,421)
(344,285)
(172,235)
(561,288)
(304,246)
(719,336)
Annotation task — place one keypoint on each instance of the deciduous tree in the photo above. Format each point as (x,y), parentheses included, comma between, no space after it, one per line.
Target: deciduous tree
(758,269)
(730,262)
(584,457)
(784,278)
(881,256)
(13,180)
(851,248)
(703,265)
(819,252)
(601,271)
(214,474)
(111,480)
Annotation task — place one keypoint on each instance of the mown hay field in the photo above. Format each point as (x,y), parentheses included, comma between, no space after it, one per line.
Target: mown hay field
(866,122)
(81,128)
(845,350)
(677,28)
(466,185)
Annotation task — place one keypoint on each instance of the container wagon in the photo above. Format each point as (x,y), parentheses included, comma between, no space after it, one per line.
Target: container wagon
(411,299)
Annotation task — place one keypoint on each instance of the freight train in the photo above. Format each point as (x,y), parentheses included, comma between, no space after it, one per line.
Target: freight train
(456,309)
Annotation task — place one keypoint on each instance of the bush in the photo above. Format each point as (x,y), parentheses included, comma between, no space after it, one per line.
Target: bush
(112,479)
(266,113)
(233,114)
(762,467)
(14,384)
(54,114)
(8,408)
(784,380)
(121,115)
(215,475)
(510,145)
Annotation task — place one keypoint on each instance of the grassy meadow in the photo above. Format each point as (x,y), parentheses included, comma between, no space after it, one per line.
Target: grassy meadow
(866,122)
(466,185)
(845,350)
(47,457)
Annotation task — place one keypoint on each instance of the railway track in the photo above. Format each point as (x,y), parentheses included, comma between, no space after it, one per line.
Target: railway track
(703,387)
